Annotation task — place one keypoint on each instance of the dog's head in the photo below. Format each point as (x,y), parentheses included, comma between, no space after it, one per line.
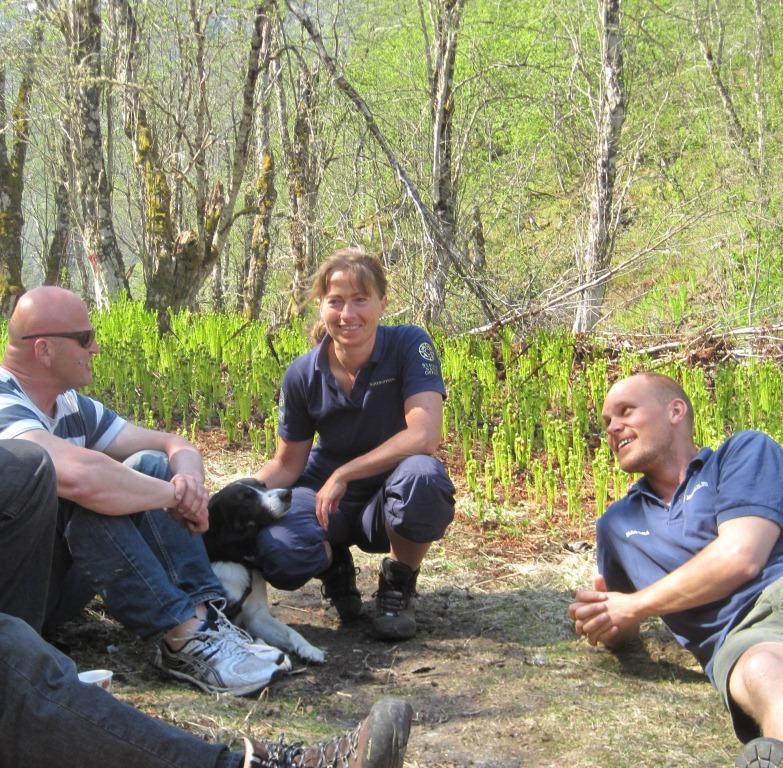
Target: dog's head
(237,513)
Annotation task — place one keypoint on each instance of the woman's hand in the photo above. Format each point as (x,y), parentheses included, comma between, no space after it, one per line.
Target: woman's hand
(327,500)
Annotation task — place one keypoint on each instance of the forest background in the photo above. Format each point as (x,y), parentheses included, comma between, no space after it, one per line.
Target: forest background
(561,192)
(576,164)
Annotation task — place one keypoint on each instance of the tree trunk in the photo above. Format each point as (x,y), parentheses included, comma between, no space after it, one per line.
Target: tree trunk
(303,181)
(596,255)
(103,253)
(443,198)
(11,188)
(266,194)
(57,255)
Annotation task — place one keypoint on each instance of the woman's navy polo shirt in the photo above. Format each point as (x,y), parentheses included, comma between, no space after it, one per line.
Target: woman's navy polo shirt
(403,363)
(641,539)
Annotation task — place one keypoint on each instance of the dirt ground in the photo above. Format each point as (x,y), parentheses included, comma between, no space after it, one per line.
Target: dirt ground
(495,674)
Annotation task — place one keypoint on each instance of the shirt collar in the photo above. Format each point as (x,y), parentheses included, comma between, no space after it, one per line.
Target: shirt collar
(642,487)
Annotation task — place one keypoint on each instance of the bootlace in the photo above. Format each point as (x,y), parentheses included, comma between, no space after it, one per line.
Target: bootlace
(339,580)
(328,754)
(391,601)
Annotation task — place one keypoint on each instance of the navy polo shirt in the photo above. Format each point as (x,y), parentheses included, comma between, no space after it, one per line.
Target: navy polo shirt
(403,363)
(641,539)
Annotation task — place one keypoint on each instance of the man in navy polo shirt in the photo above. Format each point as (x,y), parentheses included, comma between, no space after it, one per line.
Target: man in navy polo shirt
(697,542)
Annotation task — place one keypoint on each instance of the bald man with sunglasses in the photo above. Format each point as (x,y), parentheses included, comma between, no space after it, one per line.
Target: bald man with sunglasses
(131,503)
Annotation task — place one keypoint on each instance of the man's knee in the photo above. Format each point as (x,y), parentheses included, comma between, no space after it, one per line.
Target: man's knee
(29,481)
(150,463)
(761,665)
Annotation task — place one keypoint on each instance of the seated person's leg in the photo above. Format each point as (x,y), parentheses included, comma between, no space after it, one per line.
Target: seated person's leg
(150,572)
(412,510)
(182,555)
(756,685)
(748,673)
(28,522)
(155,578)
(47,716)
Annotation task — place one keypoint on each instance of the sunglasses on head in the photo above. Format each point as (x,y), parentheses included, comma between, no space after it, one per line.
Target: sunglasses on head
(82,338)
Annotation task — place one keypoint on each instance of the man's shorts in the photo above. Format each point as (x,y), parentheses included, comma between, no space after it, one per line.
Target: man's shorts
(763,624)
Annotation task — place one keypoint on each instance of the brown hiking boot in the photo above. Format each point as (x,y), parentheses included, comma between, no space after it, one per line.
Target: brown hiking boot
(379,741)
(395,601)
(339,585)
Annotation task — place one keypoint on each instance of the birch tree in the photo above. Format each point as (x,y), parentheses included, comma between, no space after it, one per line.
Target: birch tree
(595,254)
(265,192)
(83,33)
(304,171)
(13,154)
(447,17)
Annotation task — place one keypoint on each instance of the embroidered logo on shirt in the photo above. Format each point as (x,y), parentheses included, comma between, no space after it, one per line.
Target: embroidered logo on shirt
(633,532)
(426,351)
(698,487)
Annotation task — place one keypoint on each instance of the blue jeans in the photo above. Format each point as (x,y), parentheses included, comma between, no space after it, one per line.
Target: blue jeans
(28,522)
(149,570)
(48,717)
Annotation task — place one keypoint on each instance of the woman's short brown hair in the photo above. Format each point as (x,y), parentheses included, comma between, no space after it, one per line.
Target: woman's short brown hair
(365,269)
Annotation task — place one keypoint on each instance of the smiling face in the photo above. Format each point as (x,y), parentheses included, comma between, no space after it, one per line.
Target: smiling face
(350,313)
(645,424)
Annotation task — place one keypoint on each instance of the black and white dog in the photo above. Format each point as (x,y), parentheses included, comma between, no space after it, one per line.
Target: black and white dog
(236,514)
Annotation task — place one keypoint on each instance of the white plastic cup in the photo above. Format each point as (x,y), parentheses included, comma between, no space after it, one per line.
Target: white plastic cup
(101,677)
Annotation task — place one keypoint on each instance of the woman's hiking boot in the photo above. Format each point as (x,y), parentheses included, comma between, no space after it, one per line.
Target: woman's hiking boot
(395,601)
(339,585)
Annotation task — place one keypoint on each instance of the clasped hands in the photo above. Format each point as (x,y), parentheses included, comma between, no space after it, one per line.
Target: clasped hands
(191,498)
(602,616)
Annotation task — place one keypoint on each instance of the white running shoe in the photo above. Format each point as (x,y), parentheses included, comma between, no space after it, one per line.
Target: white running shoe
(221,658)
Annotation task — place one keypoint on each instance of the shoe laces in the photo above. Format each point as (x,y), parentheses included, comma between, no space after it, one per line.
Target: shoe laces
(224,627)
(391,600)
(219,633)
(339,580)
(328,754)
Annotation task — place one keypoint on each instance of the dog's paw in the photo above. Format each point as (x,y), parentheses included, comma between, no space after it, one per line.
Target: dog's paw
(310,654)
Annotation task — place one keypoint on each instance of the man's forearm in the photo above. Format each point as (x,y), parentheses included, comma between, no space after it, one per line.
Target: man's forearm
(186,460)
(724,565)
(108,487)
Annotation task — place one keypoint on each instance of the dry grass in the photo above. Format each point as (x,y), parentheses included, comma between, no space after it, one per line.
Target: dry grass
(495,674)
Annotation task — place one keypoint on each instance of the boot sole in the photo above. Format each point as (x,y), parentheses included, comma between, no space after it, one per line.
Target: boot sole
(761,753)
(389,728)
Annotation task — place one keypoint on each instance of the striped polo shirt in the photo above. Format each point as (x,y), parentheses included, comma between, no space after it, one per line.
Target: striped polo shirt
(79,419)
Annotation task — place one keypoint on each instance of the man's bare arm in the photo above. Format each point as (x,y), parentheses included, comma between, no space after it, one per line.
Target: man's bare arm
(735,557)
